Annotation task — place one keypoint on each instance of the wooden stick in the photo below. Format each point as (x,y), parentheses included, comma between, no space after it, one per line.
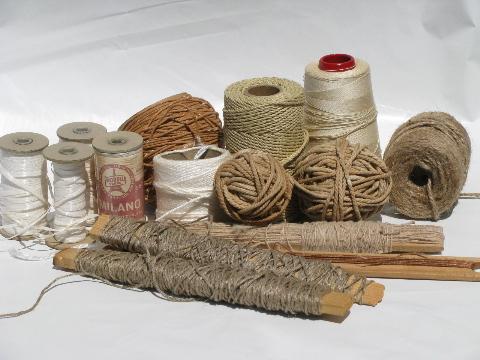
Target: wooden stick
(372,294)
(290,237)
(332,303)
(402,266)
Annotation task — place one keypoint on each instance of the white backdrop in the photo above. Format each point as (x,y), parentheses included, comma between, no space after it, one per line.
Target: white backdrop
(63,61)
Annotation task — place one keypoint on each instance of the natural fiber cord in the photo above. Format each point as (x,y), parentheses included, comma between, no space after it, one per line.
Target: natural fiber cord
(339,182)
(166,240)
(429,157)
(253,188)
(265,114)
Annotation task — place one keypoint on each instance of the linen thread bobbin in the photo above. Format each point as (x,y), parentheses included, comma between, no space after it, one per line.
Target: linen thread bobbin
(177,122)
(184,183)
(70,192)
(265,114)
(337,181)
(429,156)
(24,186)
(339,102)
(119,169)
(85,132)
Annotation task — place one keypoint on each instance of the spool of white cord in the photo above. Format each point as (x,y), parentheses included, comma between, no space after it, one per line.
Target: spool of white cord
(85,132)
(184,183)
(70,188)
(24,185)
(339,101)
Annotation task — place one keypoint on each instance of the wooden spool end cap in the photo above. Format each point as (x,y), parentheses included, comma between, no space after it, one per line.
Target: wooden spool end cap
(336,303)
(373,294)
(65,259)
(99,225)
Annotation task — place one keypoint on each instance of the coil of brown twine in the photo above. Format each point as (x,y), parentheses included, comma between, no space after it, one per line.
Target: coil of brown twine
(429,157)
(337,181)
(178,122)
(253,187)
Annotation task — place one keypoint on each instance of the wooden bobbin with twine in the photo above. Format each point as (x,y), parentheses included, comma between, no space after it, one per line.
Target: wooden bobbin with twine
(429,157)
(177,122)
(253,187)
(339,182)
(265,114)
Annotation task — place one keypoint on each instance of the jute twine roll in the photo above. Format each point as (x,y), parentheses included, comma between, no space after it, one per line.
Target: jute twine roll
(184,183)
(341,105)
(429,157)
(253,187)
(177,122)
(339,182)
(265,114)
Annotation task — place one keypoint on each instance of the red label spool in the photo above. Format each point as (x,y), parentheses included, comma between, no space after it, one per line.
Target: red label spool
(336,62)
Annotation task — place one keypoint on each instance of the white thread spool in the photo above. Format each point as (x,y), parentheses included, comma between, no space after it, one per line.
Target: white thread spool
(119,169)
(24,185)
(70,192)
(85,132)
(339,102)
(184,182)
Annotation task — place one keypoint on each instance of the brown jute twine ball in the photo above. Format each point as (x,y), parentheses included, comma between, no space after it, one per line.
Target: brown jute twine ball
(429,157)
(253,187)
(337,181)
(177,122)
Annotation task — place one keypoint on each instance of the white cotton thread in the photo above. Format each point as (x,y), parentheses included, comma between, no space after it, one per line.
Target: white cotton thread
(340,105)
(184,183)
(85,132)
(69,191)
(70,202)
(23,194)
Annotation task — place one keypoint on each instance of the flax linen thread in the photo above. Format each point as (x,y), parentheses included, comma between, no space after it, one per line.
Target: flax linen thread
(160,239)
(429,156)
(341,105)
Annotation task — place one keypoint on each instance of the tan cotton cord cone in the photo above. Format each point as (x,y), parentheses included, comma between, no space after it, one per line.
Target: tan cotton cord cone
(339,182)
(265,114)
(429,156)
(341,105)
(167,240)
(253,187)
(177,122)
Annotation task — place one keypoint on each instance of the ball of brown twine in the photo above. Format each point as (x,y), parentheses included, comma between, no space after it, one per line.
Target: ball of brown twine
(429,157)
(177,122)
(253,187)
(337,181)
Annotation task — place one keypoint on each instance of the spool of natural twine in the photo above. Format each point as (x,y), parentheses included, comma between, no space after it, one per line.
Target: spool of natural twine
(265,114)
(253,187)
(339,182)
(177,122)
(339,102)
(429,157)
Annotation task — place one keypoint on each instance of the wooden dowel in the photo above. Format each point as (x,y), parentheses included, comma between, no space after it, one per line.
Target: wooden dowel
(331,303)
(402,266)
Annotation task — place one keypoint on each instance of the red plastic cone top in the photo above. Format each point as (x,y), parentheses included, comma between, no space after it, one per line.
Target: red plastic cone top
(336,62)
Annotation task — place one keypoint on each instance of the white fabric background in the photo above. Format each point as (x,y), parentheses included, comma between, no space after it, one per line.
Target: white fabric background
(63,61)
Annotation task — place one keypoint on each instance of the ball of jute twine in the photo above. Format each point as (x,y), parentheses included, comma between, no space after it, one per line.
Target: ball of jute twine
(265,114)
(253,187)
(429,157)
(177,122)
(337,181)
